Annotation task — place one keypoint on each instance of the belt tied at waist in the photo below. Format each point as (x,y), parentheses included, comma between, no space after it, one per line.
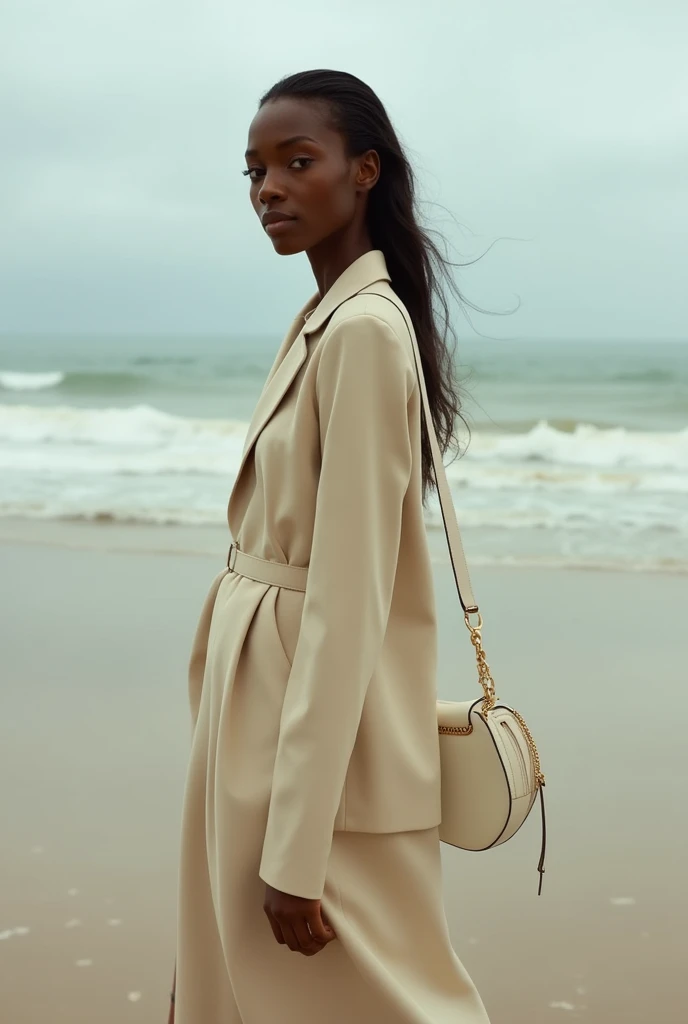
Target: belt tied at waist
(275,574)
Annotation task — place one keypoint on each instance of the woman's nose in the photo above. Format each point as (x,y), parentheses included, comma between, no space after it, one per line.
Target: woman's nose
(270,189)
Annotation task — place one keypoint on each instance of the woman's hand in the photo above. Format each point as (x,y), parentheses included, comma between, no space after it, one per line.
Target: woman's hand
(298,922)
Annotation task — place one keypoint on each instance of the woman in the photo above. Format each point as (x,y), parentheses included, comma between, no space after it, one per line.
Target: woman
(312,805)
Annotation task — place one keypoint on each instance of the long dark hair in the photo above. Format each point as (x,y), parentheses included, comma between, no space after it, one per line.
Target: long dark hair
(413,259)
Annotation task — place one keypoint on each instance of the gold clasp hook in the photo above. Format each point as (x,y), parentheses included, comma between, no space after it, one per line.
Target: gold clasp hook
(467,618)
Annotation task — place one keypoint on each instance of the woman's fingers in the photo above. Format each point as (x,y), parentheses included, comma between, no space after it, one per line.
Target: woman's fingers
(276,930)
(301,934)
(321,931)
(290,936)
(297,921)
(307,942)
(327,923)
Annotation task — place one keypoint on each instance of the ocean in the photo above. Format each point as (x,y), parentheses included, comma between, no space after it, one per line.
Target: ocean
(578,452)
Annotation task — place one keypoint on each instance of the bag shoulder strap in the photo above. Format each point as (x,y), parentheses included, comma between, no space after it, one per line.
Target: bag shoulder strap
(451,526)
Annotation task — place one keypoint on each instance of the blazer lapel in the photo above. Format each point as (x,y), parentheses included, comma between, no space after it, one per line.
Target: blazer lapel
(288,361)
(289,339)
(292,352)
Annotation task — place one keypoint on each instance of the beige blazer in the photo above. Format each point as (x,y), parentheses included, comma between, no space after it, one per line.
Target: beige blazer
(330,479)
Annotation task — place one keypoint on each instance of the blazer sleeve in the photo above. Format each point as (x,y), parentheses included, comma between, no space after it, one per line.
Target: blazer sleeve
(363,384)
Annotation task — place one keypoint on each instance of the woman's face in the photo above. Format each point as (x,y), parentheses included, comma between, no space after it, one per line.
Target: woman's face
(298,168)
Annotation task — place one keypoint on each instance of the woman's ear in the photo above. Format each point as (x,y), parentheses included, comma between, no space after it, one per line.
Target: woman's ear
(368,172)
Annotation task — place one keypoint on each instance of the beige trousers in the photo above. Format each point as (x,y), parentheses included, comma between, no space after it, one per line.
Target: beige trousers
(392,961)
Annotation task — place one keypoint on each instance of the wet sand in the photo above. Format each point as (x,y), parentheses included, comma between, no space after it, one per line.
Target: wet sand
(96,627)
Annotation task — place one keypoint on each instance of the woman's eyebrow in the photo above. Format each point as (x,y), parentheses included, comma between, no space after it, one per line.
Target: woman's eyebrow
(284,143)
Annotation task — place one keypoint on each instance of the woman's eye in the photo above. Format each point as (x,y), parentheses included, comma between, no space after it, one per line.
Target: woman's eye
(251,171)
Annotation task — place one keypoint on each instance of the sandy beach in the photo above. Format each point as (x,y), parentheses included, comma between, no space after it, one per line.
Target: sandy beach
(97,622)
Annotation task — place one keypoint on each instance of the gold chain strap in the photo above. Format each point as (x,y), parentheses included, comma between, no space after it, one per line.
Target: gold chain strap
(484,675)
(540,778)
(487,682)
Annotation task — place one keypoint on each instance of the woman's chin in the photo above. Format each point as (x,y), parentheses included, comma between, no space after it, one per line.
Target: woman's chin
(287,246)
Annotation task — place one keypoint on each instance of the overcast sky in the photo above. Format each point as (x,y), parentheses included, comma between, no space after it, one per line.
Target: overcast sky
(560,127)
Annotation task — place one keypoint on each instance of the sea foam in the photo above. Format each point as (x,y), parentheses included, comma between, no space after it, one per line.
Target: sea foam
(10,381)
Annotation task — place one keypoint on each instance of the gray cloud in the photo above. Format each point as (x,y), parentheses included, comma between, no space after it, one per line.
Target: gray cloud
(560,127)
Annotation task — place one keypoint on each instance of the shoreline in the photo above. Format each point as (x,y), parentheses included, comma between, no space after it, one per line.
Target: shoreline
(203,540)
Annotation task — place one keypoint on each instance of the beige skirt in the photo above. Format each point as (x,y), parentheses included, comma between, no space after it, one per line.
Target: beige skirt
(392,961)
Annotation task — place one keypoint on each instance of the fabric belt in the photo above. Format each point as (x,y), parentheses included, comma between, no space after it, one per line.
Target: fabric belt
(275,574)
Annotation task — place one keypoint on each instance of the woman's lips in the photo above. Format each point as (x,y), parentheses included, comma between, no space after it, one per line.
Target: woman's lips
(278,227)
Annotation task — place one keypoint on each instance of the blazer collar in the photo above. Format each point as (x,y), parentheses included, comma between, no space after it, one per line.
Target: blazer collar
(364,271)
(292,352)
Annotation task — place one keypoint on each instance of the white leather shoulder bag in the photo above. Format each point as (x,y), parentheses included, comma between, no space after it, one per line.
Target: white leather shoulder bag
(490,766)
